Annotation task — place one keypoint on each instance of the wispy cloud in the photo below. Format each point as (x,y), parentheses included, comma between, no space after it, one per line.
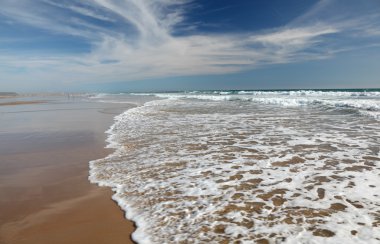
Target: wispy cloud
(85,10)
(141,42)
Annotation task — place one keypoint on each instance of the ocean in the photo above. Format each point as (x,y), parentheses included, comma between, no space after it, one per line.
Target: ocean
(287,166)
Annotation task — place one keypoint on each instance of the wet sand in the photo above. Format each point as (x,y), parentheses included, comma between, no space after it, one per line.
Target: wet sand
(45,196)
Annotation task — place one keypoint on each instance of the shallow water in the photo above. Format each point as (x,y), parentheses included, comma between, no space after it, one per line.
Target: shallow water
(216,168)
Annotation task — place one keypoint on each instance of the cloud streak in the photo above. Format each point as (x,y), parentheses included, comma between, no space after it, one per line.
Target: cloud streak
(134,39)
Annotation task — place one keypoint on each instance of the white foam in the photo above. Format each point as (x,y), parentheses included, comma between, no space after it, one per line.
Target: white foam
(296,93)
(366,103)
(181,170)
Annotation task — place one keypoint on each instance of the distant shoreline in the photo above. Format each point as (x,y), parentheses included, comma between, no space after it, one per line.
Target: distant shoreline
(8,94)
(21,103)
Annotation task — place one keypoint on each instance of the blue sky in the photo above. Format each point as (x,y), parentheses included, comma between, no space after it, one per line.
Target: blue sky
(122,45)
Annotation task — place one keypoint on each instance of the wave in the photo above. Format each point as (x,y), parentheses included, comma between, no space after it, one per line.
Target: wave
(366,103)
(187,170)
(333,93)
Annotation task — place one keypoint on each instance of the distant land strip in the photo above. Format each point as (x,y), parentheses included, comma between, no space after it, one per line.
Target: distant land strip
(8,94)
(21,103)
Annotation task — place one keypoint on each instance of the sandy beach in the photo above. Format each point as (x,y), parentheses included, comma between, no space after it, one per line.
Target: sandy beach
(45,193)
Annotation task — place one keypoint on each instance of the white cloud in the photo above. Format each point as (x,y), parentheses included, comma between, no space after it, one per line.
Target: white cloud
(80,10)
(148,48)
(294,36)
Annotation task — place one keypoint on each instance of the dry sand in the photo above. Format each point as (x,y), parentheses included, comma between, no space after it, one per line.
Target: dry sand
(45,196)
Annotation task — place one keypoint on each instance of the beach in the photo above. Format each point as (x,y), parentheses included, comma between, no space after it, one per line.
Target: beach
(189,122)
(45,146)
(297,166)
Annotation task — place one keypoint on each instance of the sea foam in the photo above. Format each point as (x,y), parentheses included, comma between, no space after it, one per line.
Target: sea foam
(366,103)
(190,170)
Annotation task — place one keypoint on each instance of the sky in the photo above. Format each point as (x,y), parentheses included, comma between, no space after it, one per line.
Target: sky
(163,45)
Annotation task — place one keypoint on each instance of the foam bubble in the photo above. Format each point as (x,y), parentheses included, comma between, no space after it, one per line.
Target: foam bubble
(227,170)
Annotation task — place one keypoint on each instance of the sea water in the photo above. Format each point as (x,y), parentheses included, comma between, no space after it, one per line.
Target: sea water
(247,166)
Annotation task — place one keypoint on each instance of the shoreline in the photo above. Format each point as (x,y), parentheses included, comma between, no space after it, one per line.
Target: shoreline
(44,168)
